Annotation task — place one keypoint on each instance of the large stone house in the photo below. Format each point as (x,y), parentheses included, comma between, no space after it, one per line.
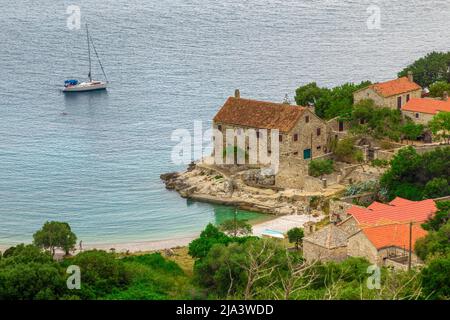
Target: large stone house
(380,233)
(422,110)
(392,94)
(302,134)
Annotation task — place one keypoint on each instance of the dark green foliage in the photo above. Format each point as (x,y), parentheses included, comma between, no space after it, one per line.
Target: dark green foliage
(200,247)
(411,173)
(436,279)
(329,103)
(224,271)
(438,187)
(295,235)
(411,131)
(320,167)
(26,273)
(366,118)
(429,69)
(438,88)
(436,243)
(101,273)
(152,277)
(55,234)
(440,218)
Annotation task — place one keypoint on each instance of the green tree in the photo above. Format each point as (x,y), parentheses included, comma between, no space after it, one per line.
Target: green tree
(27,273)
(236,227)
(309,94)
(346,151)
(438,187)
(101,273)
(438,88)
(436,279)
(412,131)
(200,247)
(440,125)
(319,167)
(441,217)
(429,69)
(435,243)
(328,103)
(295,235)
(54,235)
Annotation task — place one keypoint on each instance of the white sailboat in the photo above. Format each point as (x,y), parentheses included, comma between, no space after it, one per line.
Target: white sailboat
(74,85)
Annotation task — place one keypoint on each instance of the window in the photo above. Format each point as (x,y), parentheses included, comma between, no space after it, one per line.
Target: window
(399,103)
(307,119)
(318,131)
(319,147)
(408,97)
(341,126)
(295,153)
(219,127)
(257,134)
(296,137)
(417,116)
(280,138)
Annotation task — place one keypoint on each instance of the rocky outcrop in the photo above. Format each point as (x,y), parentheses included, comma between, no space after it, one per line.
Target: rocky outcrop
(215,185)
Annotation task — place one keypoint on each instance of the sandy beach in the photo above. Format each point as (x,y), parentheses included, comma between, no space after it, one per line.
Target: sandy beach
(280,224)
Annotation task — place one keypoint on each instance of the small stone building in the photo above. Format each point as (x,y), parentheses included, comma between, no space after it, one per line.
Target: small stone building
(302,134)
(422,110)
(392,94)
(327,244)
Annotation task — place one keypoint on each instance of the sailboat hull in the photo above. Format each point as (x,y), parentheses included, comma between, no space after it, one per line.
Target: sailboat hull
(86,86)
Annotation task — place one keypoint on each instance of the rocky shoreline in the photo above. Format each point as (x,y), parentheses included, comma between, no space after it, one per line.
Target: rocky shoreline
(205,183)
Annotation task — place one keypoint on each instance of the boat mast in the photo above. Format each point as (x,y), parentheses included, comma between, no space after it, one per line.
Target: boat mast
(89,53)
(98,58)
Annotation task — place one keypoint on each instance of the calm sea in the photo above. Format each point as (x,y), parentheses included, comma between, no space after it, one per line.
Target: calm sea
(94,159)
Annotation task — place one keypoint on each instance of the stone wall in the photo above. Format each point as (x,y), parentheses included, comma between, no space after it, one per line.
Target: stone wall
(292,173)
(338,210)
(418,117)
(312,252)
(359,246)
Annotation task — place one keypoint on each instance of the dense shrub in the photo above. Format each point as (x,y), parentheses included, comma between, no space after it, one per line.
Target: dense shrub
(414,176)
(320,167)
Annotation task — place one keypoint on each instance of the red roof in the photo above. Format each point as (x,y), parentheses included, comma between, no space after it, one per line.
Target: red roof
(259,114)
(424,105)
(394,87)
(393,235)
(399,210)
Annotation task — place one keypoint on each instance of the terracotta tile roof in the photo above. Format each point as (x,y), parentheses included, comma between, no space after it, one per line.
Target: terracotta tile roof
(399,210)
(377,206)
(394,87)
(259,114)
(328,237)
(400,202)
(426,105)
(393,235)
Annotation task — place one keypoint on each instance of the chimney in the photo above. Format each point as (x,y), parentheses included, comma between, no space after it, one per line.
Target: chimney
(410,76)
(445,96)
(309,228)
(237,94)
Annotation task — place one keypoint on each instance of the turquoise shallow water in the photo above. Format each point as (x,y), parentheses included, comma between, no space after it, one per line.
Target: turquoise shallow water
(94,160)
